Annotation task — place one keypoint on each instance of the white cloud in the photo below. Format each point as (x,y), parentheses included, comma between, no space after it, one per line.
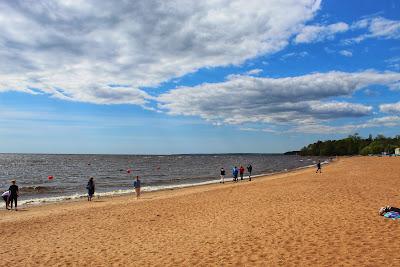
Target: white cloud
(346,53)
(373,27)
(266,130)
(394,63)
(393,60)
(294,55)
(390,108)
(329,50)
(74,50)
(254,72)
(318,33)
(371,92)
(315,128)
(378,27)
(249,129)
(389,121)
(288,100)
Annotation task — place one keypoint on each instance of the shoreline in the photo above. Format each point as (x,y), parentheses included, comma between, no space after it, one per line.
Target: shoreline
(34,202)
(161,193)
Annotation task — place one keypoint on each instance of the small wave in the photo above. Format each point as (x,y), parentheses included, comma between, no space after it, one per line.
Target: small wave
(150,188)
(37,189)
(37,201)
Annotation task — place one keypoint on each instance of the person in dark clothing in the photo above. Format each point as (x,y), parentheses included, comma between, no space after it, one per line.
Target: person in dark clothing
(137,185)
(14,192)
(222,175)
(249,169)
(319,167)
(91,188)
(241,172)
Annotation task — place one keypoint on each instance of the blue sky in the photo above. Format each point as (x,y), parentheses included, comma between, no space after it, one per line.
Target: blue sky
(151,77)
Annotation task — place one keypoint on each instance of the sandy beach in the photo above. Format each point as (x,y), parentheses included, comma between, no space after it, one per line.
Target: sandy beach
(292,219)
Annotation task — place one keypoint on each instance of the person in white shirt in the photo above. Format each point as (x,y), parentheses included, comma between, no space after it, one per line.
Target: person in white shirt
(6,197)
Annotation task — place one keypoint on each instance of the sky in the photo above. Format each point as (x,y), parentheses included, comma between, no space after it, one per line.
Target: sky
(218,76)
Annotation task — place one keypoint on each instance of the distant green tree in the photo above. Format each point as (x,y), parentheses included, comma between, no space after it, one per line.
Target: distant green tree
(352,145)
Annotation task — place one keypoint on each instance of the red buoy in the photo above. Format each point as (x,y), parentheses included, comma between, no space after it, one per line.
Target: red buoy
(128,171)
(50,177)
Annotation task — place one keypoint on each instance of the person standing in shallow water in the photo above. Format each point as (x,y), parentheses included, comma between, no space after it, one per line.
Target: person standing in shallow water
(319,167)
(91,188)
(249,169)
(137,185)
(14,193)
(222,175)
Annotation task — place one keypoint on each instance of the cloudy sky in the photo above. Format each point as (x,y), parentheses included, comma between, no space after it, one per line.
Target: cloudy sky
(216,76)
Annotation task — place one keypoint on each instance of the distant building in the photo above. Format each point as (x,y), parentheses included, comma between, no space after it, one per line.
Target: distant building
(397,151)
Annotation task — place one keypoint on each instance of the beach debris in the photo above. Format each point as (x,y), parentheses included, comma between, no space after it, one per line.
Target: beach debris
(390,212)
(392,215)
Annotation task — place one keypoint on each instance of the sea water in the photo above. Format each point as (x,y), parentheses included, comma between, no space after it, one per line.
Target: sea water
(114,174)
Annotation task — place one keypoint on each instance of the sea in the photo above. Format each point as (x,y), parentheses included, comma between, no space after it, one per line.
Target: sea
(44,178)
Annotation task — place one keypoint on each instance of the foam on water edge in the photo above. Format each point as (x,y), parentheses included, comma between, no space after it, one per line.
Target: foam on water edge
(37,201)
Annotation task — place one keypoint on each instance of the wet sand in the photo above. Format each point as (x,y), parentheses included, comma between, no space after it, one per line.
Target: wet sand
(293,219)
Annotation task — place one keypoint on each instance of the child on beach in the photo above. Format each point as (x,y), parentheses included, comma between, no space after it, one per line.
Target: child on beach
(6,198)
(319,167)
(249,169)
(90,187)
(222,175)
(14,192)
(137,185)
(241,171)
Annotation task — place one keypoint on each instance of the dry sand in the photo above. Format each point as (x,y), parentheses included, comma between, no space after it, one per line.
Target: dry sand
(294,219)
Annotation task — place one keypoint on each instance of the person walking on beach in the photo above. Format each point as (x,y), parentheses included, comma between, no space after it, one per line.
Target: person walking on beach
(235,174)
(319,167)
(14,192)
(241,171)
(90,187)
(137,185)
(249,169)
(222,175)
(6,198)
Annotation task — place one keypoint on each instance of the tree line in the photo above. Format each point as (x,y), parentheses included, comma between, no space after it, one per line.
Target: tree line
(352,145)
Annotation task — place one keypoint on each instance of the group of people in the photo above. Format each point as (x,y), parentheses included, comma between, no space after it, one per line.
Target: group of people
(236,172)
(11,196)
(91,187)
